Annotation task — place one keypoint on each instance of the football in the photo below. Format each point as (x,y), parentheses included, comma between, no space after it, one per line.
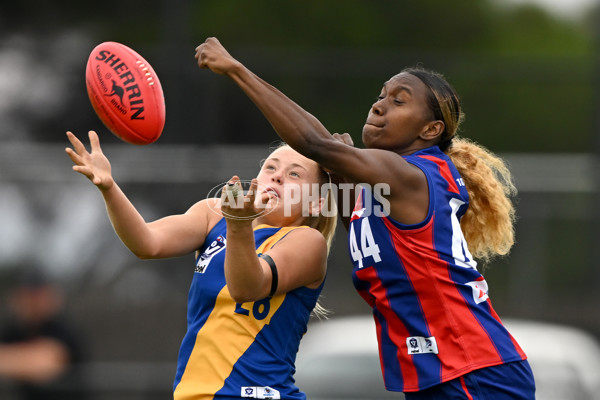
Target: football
(125,93)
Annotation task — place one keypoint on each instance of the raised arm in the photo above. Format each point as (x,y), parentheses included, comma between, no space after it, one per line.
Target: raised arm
(303,132)
(249,278)
(296,126)
(167,237)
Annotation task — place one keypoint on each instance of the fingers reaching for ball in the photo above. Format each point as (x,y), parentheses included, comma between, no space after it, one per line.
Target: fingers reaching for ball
(93,165)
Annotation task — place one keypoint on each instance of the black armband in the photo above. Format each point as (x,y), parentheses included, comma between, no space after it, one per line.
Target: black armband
(274,281)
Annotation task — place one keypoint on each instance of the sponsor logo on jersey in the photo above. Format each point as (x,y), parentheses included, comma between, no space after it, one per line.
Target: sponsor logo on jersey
(215,247)
(260,392)
(421,345)
(480,290)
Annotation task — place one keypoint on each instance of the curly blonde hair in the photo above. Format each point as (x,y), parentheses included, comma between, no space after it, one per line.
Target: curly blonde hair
(488,224)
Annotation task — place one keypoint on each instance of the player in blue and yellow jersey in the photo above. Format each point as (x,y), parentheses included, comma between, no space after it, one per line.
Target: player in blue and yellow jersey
(428,204)
(260,267)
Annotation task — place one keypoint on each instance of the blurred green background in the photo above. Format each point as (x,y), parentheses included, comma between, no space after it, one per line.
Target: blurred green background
(526,73)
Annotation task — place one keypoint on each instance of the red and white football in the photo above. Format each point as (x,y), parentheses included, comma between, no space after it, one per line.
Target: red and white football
(125,93)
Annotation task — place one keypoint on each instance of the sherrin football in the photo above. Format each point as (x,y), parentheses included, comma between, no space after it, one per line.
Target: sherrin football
(125,93)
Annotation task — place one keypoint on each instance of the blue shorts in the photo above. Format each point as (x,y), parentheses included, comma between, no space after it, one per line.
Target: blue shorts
(511,381)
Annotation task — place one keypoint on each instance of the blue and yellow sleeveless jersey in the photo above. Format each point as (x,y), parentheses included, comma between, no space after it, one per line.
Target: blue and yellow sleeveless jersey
(433,316)
(234,350)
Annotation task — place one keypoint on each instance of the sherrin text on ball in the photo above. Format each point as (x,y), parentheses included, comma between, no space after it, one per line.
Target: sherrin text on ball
(126,93)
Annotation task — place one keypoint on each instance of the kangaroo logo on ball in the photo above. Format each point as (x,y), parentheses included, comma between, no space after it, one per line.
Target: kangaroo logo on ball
(117,91)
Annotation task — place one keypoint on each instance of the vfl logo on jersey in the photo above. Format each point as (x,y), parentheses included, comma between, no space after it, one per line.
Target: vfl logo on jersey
(260,392)
(480,290)
(421,345)
(215,247)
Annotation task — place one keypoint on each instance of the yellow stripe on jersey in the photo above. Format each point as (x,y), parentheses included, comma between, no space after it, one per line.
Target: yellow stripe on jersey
(225,337)
(270,242)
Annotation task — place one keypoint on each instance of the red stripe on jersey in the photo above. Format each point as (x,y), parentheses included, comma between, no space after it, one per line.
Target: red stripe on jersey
(396,329)
(368,297)
(444,171)
(464,386)
(442,301)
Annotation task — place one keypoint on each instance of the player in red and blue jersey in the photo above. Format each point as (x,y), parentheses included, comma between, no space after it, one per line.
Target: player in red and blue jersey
(434,319)
(432,204)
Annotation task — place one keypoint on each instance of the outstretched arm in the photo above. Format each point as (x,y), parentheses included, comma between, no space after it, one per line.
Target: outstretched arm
(297,127)
(300,129)
(407,184)
(167,237)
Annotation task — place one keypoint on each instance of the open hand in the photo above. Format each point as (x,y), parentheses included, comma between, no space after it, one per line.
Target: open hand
(94,165)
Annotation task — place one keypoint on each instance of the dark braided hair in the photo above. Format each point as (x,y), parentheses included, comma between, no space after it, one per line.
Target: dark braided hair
(488,223)
(443,102)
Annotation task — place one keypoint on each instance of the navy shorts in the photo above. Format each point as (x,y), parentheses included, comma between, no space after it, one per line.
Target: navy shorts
(511,381)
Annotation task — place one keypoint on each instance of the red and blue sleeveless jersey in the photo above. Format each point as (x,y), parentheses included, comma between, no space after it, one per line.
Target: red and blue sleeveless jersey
(240,350)
(433,316)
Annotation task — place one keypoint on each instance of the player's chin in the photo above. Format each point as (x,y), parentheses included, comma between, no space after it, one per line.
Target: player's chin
(276,209)
(369,135)
(273,204)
